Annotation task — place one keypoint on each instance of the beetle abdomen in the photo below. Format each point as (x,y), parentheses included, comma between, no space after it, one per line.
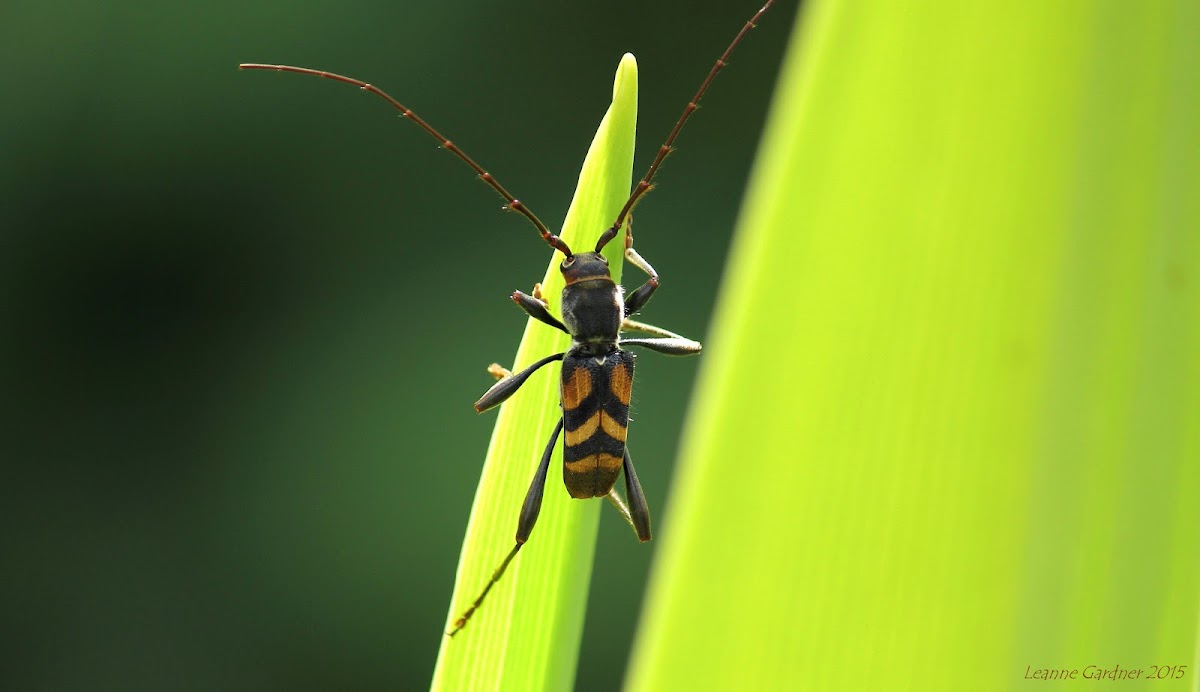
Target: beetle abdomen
(595,401)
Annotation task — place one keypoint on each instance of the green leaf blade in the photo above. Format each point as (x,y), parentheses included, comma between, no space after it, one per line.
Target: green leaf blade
(946,426)
(526,635)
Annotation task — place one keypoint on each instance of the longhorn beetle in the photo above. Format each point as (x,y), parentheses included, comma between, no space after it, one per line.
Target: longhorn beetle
(597,374)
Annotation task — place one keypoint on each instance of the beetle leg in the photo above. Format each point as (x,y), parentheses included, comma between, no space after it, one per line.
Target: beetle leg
(499,371)
(670,346)
(637,299)
(533,499)
(529,514)
(509,385)
(639,511)
(632,325)
(535,307)
(617,501)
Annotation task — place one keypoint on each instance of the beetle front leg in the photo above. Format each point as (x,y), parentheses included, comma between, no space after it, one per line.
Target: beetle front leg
(535,307)
(637,299)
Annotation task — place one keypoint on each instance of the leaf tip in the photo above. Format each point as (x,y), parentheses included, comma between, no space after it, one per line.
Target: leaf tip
(626,73)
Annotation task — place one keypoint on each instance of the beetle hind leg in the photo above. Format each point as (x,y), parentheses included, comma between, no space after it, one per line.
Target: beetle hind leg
(637,512)
(529,515)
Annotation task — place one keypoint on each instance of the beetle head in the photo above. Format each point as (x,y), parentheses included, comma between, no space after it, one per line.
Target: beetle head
(585,266)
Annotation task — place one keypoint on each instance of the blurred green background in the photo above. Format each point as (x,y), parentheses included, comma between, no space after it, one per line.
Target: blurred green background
(245,316)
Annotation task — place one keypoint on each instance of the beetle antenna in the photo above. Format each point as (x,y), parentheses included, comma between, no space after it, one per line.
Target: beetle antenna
(644,184)
(512,202)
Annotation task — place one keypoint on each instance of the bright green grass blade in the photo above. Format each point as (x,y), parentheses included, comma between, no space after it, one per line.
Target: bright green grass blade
(948,423)
(526,636)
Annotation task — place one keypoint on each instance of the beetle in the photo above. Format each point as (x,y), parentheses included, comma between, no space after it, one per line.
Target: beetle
(597,372)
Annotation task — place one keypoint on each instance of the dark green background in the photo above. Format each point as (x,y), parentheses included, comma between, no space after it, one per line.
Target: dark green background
(245,316)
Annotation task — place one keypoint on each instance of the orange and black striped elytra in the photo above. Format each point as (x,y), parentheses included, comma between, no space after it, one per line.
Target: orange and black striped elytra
(595,406)
(597,371)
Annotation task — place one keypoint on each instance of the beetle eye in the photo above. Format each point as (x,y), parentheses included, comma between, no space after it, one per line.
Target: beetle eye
(568,261)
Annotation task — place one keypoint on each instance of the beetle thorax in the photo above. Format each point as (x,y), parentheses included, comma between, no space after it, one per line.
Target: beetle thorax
(592,311)
(592,308)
